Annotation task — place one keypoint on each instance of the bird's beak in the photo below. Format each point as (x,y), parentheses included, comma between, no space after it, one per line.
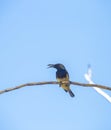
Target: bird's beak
(50,65)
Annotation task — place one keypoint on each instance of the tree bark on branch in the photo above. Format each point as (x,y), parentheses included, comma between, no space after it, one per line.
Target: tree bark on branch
(54,82)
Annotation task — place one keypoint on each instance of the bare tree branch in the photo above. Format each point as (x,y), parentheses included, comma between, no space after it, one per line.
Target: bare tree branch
(54,82)
(91,85)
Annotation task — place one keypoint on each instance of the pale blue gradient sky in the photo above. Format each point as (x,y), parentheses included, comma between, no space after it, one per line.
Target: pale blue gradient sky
(35,33)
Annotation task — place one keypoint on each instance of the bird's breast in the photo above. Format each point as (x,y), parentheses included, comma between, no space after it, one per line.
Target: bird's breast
(62,75)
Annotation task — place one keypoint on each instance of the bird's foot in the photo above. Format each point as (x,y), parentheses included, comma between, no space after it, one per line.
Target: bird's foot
(60,83)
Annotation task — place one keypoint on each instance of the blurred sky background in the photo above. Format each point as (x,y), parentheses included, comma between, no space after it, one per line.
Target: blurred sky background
(34,33)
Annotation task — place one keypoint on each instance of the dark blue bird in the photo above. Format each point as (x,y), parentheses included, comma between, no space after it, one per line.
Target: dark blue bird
(62,75)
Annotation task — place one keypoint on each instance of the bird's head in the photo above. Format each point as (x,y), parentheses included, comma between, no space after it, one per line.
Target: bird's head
(56,66)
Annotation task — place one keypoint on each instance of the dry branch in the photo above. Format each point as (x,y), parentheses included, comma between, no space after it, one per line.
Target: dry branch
(54,82)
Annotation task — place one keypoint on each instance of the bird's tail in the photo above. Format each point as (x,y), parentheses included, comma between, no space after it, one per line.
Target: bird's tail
(71,93)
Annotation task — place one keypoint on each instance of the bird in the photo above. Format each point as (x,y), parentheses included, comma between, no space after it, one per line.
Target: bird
(62,75)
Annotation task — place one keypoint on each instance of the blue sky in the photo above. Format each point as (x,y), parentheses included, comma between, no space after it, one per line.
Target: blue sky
(35,33)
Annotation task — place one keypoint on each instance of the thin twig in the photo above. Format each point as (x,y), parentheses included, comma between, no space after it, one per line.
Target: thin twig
(91,85)
(54,82)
